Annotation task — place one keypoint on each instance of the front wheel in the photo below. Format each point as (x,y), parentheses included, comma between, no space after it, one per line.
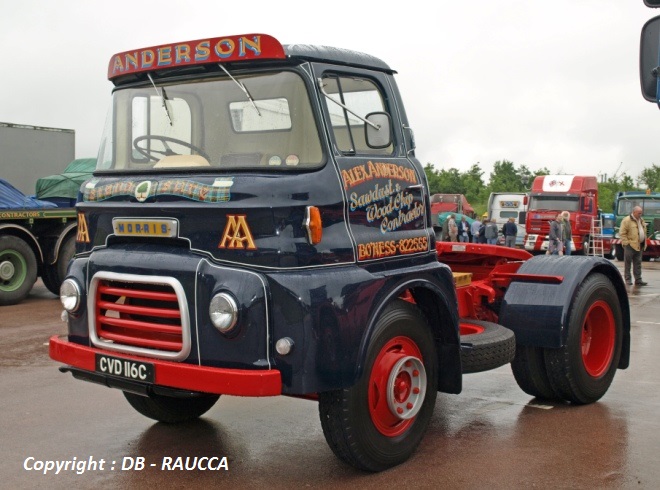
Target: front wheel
(582,370)
(171,410)
(380,421)
(18,270)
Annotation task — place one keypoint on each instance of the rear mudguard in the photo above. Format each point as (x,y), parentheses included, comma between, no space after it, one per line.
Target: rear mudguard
(538,312)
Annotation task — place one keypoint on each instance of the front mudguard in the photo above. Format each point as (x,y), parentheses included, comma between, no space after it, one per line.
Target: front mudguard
(538,312)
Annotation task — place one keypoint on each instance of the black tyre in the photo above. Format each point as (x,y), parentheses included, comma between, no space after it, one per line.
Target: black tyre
(18,270)
(586,246)
(379,422)
(582,371)
(529,371)
(485,346)
(171,410)
(49,277)
(618,252)
(54,274)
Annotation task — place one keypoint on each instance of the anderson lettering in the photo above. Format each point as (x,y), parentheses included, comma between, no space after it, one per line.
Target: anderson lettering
(362,173)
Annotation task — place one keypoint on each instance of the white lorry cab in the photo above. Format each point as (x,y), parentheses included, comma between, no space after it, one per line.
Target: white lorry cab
(505,205)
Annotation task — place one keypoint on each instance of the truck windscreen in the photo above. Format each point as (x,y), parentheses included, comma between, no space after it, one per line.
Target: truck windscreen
(555,203)
(650,207)
(211,123)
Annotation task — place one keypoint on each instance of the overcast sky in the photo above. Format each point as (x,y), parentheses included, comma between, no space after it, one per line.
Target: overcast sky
(540,83)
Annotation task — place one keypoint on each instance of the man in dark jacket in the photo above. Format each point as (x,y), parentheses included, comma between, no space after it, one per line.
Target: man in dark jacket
(510,231)
(491,232)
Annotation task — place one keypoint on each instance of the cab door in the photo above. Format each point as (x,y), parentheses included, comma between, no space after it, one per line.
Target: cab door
(384,190)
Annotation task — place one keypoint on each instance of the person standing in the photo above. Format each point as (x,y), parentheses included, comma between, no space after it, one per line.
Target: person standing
(452,228)
(463,230)
(474,230)
(491,232)
(444,235)
(482,232)
(510,232)
(568,233)
(555,239)
(633,238)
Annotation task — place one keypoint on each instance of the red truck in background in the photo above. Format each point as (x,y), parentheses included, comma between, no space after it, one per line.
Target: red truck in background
(552,194)
(452,203)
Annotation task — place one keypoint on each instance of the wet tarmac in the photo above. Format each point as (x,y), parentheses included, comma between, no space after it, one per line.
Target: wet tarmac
(490,436)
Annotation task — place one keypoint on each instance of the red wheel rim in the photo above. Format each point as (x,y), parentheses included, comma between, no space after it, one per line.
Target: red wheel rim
(397,386)
(467,328)
(598,337)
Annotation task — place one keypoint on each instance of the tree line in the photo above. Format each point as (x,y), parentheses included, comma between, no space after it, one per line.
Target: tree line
(507,177)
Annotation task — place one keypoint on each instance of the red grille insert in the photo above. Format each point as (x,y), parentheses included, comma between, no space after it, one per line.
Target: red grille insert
(138,315)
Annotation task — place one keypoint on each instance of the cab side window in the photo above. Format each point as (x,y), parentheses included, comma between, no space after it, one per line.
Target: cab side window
(361,97)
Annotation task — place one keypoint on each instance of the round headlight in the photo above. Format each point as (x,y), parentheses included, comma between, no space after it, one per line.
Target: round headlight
(223,311)
(70,295)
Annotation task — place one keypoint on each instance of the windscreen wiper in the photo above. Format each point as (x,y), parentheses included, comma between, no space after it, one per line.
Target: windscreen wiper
(243,88)
(329,97)
(162,98)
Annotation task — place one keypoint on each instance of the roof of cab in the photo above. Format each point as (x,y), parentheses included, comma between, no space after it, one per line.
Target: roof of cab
(327,54)
(125,66)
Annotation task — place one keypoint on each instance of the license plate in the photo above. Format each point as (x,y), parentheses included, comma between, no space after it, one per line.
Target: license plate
(125,368)
(145,227)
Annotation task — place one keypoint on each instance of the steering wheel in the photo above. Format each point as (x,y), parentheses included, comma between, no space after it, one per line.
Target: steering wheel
(148,152)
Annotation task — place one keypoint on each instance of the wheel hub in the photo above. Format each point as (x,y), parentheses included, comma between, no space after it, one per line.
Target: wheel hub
(406,387)
(598,339)
(397,386)
(7,270)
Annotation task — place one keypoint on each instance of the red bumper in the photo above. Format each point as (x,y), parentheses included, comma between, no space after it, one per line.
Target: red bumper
(190,377)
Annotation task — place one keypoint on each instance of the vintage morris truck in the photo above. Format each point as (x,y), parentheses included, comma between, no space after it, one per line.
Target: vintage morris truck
(258,225)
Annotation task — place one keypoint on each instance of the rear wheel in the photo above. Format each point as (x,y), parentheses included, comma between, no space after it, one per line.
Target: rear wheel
(529,372)
(618,252)
(171,410)
(380,421)
(582,370)
(18,270)
(54,274)
(586,246)
(49,277)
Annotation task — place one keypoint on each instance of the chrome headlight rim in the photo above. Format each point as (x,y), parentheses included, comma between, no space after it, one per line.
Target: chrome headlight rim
(70,295)
(223,312)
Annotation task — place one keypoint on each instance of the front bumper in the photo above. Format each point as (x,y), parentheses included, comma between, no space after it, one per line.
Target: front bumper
(204,379)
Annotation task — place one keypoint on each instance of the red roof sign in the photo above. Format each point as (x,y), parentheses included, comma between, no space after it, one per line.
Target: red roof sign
(214,50)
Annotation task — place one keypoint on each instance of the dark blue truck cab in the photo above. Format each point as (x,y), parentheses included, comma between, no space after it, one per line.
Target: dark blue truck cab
(258,225)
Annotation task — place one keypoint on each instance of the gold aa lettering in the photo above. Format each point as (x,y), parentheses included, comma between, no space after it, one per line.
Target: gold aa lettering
(83,231)
(237,234)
